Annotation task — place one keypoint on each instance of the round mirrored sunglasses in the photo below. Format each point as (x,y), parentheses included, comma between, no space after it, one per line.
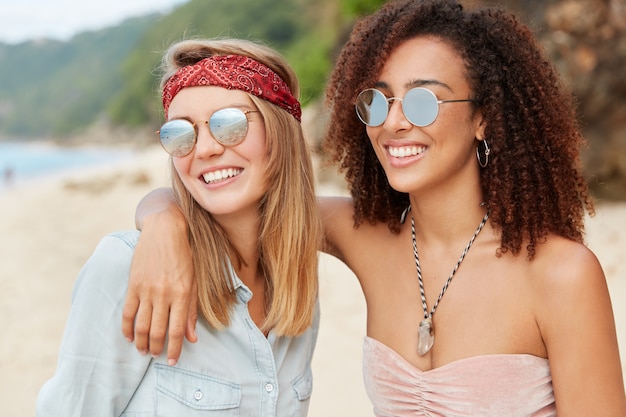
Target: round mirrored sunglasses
(419,105)
(228,126)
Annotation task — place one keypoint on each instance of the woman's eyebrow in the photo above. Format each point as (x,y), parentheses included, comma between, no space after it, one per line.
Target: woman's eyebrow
(423,83)
(415,83)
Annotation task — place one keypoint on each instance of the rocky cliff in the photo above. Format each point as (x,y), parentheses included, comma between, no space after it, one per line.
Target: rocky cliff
(586,39)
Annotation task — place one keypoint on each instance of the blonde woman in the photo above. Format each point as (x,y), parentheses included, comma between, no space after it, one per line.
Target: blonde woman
(243,181)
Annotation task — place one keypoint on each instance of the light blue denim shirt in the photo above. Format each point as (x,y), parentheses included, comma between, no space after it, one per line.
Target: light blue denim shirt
(233,372)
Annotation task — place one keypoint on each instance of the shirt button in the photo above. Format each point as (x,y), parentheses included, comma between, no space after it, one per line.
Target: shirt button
(197,395)
(269,387)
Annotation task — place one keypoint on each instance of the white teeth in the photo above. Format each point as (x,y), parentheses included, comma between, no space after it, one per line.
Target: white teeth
(221,174)
(404,151)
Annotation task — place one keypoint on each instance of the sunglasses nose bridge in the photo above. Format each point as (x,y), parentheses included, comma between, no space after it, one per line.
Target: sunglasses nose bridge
(206,143)
(395,113)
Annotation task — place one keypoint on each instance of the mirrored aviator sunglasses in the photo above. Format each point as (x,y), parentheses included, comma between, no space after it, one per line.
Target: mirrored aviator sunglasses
(419,105)
(228,126)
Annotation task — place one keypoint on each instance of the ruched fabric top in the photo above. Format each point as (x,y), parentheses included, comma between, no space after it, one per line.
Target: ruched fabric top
(490,385)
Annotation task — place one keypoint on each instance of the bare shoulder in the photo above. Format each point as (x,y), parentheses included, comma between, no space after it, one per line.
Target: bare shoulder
(568,282)
(343,239)
(564,268)
(336,211)
(569,291)
(575,317)
(337,218)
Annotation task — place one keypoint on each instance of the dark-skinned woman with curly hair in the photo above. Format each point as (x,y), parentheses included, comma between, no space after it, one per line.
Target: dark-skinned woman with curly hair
(466,222)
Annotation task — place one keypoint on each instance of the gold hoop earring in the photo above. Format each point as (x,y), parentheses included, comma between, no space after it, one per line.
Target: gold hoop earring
(483,162)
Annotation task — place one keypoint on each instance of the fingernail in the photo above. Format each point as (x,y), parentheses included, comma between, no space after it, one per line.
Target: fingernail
(143,352)
(171,362)
(129,339)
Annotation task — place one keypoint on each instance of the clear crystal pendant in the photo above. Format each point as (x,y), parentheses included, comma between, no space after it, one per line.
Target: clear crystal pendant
(425,336)
(426,332)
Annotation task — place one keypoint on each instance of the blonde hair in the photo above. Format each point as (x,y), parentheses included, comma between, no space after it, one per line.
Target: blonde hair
(290,227)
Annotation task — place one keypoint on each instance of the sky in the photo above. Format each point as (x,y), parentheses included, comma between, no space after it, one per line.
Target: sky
(22,20)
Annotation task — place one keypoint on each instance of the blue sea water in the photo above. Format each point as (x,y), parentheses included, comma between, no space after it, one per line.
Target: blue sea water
(25,161)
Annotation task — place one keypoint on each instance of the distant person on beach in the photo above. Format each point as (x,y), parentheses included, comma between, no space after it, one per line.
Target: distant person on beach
(465,227)
(244,185)
(8,175)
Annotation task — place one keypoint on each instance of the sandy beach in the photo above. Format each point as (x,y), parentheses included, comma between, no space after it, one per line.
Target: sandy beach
(49,229)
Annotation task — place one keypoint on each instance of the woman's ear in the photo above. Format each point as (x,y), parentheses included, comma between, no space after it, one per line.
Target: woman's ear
(481,125)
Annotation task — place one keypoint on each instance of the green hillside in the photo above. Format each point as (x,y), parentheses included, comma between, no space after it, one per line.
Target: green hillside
(52,88)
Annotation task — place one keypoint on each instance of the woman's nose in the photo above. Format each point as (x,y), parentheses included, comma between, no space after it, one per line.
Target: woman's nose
(206,145)
(396,120)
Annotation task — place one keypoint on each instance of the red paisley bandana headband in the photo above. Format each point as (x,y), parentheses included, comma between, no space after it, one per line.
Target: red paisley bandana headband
(233,72)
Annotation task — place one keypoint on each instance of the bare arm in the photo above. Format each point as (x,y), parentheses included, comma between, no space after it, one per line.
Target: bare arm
(161,287)
(338,224)
(577,324)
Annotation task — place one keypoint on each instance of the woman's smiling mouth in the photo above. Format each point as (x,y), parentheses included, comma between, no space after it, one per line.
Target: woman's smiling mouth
(221,174)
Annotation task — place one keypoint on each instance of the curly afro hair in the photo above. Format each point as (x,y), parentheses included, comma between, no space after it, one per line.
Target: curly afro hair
(533,184)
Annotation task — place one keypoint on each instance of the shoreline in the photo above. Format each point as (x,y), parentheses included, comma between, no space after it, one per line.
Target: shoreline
(31,163)
(49,229)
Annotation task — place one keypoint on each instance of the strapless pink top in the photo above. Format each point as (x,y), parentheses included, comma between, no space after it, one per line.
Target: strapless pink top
(490,385)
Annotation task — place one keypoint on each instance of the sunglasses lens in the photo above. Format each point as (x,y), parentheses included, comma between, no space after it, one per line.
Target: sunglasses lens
(178,137)
(372,107)
(229,126)
(420,106)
